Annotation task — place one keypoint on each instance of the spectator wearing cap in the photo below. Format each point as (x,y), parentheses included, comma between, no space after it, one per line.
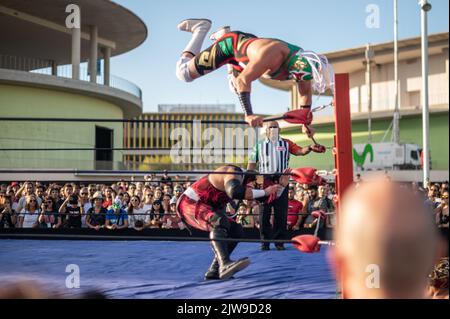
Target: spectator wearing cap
(96,215)
(27,189)
(73,210)
(137,217)
(172,220)
(116,218)
(15,186)
(295,208)
(28,217)
(8,216)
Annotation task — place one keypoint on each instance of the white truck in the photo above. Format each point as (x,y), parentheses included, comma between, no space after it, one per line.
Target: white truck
(386,156)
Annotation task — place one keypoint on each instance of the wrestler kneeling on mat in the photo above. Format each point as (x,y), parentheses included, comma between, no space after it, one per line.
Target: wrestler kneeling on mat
(248,58)
(202,206)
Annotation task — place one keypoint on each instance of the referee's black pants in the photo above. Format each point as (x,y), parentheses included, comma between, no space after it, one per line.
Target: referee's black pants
(280,207)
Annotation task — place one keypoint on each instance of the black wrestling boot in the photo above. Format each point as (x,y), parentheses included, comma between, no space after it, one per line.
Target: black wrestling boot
(213,270)
(227,267)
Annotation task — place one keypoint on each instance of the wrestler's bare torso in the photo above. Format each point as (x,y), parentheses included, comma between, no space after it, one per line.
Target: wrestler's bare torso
(270,53)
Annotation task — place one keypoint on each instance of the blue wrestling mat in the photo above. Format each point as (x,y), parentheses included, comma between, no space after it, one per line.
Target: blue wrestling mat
(155,269)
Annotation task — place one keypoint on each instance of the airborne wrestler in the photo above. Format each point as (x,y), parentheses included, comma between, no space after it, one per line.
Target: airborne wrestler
(250,58)
(202,206)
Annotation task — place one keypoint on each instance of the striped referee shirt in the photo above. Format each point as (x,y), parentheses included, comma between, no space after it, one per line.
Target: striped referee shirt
(273,157)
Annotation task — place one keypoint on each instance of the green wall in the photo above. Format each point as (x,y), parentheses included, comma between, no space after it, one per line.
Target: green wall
(19,101)
(410,132)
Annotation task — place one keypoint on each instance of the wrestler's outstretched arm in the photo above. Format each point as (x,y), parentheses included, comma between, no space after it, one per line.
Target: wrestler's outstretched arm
(243,85)
(235,188)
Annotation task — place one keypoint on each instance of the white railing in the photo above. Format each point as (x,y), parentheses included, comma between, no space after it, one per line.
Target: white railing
(42,66)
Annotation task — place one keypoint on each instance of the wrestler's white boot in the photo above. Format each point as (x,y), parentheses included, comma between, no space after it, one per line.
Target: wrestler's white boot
(219,33)
(199,29)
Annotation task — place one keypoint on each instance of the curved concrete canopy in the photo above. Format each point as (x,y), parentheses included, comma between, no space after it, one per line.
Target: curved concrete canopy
(36,29)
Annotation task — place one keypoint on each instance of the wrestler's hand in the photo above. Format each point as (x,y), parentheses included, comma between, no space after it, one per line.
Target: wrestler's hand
(284,179)
(254,120)
(317,148)
(308,130)
(273,189)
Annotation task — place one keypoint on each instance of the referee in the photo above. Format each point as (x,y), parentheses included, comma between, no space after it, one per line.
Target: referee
(272,156)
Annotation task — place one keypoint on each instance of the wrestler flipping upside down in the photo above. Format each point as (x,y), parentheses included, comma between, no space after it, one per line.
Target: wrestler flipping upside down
(202,206)
(249,58)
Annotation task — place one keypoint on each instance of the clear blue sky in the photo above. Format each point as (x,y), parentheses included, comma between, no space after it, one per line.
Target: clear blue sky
(321,25)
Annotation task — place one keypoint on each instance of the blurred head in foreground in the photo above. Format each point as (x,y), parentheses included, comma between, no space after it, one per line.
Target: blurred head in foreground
(386,241)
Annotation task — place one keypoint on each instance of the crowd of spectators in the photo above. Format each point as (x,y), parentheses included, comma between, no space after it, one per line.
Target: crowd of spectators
(138,205)
(152,204)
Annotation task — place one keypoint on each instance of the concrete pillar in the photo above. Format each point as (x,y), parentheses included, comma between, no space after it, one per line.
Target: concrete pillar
(54,68)
(76,52)
(93,53)
(107,65)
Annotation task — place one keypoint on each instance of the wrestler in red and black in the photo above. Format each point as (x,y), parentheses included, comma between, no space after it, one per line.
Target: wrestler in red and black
(202,206)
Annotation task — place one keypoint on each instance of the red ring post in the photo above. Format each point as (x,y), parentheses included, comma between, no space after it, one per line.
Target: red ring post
(343,155)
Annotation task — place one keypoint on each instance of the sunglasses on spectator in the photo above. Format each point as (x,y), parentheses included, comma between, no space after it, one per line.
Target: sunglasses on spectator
(32,201)
(84,193)
(445,197)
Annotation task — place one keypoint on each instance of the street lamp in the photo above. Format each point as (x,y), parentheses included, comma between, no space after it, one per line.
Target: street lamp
(425,7)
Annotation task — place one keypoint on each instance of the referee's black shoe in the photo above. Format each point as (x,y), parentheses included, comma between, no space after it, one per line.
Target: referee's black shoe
(265,247)
(280,247)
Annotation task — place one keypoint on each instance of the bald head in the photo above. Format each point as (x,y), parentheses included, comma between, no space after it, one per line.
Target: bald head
(384,227)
